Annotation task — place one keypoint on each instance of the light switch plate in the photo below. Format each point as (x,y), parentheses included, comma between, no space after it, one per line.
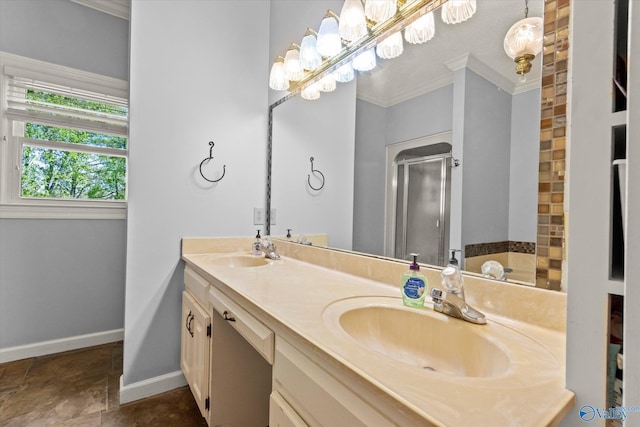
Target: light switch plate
(258,216)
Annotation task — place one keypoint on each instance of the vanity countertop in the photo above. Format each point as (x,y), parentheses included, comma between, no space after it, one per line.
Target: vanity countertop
(301,297)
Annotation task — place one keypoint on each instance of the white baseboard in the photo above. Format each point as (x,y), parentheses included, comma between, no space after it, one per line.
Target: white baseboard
(151,386)
(42,348)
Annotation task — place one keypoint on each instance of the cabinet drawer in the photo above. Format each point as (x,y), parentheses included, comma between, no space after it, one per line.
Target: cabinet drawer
(258,335)
(281,414)
(316,396)
(196,284)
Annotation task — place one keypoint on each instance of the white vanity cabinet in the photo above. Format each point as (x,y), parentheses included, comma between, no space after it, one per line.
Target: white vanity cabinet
(305,394)
(195,339)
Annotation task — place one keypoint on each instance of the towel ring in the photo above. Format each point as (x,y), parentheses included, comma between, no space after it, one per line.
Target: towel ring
(314,171)
(206,160)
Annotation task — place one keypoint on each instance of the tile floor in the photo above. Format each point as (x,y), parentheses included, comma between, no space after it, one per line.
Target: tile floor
(81,388)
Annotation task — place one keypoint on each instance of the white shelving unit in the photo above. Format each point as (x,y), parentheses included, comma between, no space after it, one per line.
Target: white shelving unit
(589,203)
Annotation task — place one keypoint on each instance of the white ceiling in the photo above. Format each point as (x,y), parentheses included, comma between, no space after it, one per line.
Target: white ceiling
(476,43)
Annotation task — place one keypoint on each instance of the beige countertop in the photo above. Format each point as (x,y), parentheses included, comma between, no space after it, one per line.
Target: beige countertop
(306,299)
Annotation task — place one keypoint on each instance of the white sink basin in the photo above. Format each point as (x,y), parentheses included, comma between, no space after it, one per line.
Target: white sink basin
(431,341)
(238,261)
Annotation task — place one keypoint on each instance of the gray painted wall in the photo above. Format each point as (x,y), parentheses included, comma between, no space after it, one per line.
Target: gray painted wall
(485,166)
(188,86)
(377,127)
(62,278)
(525,152)
(66,33)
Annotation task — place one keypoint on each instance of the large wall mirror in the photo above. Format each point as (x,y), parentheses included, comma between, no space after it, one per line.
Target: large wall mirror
(434,151)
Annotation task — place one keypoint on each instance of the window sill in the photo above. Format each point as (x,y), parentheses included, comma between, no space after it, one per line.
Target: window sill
(43,211)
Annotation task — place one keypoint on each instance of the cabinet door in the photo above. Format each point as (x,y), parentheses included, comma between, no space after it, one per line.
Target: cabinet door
(195,349)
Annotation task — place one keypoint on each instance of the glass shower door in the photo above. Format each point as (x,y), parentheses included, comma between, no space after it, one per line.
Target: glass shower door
(421,200)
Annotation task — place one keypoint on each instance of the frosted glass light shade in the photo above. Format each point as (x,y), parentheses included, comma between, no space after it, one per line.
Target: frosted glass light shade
(310,59)
(421,30)
(328,83)
(277,80)
(292,69)
(391,47)
(524,37)
(311,93)
(344,74)
(456,11)
(365,61)
(328,43)
(380,10)
(353,24)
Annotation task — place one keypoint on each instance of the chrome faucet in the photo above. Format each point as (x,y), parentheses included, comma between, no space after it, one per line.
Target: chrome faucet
(268,248)
(455,306)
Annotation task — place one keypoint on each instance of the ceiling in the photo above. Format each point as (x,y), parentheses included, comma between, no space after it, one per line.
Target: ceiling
(476,43)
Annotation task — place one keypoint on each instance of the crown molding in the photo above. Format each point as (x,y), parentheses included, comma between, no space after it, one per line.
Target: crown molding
(118,8)
(427,87)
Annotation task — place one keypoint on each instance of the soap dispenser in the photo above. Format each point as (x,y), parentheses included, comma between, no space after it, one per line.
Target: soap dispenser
(414,285)
(257,245)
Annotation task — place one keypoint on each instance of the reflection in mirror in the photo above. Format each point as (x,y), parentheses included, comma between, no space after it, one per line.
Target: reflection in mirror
(460,89)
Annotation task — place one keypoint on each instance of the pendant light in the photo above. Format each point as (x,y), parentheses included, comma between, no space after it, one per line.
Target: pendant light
(456,11)
(524,41)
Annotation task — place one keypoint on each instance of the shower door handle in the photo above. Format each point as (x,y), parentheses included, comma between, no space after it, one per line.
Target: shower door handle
(437,223)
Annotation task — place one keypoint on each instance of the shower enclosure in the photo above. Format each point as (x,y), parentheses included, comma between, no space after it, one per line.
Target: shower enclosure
(421,200)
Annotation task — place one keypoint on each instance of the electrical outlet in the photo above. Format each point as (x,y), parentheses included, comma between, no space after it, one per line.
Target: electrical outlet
(258,216)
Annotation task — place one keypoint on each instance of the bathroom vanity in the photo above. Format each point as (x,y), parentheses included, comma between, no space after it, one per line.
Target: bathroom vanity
(321,338)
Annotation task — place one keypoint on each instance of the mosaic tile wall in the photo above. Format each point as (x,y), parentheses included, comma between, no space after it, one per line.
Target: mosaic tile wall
(553,122)
(480,249)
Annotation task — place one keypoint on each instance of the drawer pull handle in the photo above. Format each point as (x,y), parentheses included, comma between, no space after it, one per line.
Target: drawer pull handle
(227,316)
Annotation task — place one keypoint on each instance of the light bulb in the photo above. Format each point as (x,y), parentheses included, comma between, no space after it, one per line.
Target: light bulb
(311,92)
(328,83)
(292,69)
(310,59)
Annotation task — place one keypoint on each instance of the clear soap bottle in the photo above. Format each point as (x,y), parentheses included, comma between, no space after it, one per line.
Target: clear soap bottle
(414,285)
(257,245)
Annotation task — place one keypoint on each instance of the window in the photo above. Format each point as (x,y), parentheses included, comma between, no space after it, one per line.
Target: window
(64,142)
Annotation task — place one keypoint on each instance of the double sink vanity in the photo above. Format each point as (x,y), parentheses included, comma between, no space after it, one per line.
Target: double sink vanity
(321,338)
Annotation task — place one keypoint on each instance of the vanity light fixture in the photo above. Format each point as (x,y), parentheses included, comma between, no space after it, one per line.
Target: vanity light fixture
(277,79)
(353,23)
(391,47)
(328,40)
(292,69)
(421,30)
(524,41)
(310,59)
(355,50)
(456,11)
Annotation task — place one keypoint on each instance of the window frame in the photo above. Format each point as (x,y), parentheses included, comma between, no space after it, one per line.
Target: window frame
(12,204)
